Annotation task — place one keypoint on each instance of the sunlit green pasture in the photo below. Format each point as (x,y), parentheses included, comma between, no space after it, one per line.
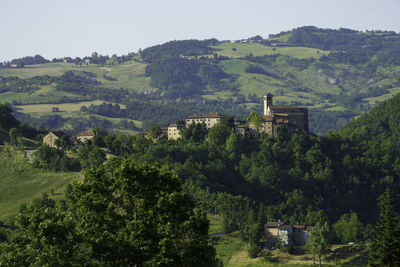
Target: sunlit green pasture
(20,182)
(64,107)
(240,50)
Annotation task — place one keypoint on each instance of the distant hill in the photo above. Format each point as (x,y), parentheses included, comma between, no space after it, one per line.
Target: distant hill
(337,74)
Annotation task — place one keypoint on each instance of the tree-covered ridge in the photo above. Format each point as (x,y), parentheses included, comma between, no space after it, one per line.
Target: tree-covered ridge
(381,124)
(21,62)
(351,46)
(178,48)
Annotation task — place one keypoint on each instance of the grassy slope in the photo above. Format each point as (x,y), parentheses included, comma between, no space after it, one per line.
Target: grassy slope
(259,84)
(233,252)
(65,107)
(129,75)
(20,182)
(322,85)
(243,50)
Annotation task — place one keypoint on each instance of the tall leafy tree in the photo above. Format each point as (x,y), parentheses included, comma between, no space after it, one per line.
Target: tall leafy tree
(15,136)
(319,242)
(218,134)
(348,228)
(385,248)
(138,215)
(7,120)
(43,236)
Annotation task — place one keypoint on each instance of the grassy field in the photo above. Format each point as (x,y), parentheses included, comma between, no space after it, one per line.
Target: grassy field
(239,50)
(43,95)
(233,252)
(65,107)
(234,66)
(282,38)
(20,182)
(130,75)
(11,96)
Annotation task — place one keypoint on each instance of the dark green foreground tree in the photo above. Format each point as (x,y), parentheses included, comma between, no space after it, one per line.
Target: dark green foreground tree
(123,214)
(385,248)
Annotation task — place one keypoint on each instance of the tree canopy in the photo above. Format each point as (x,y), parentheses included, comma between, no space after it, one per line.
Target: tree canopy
(124,214)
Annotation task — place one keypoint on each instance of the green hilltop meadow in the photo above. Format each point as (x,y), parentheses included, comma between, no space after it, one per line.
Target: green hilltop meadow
(126,198)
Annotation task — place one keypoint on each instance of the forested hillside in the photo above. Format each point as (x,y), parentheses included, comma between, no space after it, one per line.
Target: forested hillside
(337,74)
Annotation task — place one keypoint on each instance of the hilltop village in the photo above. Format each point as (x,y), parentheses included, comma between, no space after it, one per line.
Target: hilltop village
(291,117)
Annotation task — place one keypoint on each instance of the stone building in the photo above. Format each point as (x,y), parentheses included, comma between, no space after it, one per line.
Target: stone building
(291,117)
(51,138)
(209,119)
(174,131)
(286,234)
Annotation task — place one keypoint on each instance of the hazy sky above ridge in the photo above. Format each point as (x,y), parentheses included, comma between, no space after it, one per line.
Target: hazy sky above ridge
(59,28)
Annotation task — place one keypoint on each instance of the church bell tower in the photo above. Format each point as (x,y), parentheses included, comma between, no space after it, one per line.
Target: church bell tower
(267,103)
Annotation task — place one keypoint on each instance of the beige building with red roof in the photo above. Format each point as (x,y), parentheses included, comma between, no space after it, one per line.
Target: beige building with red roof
(209,119)
(86,135)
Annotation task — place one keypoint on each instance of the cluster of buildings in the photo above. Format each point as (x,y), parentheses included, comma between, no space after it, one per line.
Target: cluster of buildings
(291,117)
(51,139)
(286,234)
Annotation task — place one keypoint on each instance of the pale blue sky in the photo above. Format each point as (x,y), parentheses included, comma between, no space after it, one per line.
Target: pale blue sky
(58,28)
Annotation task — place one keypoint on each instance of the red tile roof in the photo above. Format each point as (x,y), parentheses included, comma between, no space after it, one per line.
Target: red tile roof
(284,107)
(58,133)
(267,118)
(273,224)
(277,115)
(87,133)
(211,115)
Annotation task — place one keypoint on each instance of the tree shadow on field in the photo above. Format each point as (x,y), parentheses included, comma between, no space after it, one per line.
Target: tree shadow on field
(345,252)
